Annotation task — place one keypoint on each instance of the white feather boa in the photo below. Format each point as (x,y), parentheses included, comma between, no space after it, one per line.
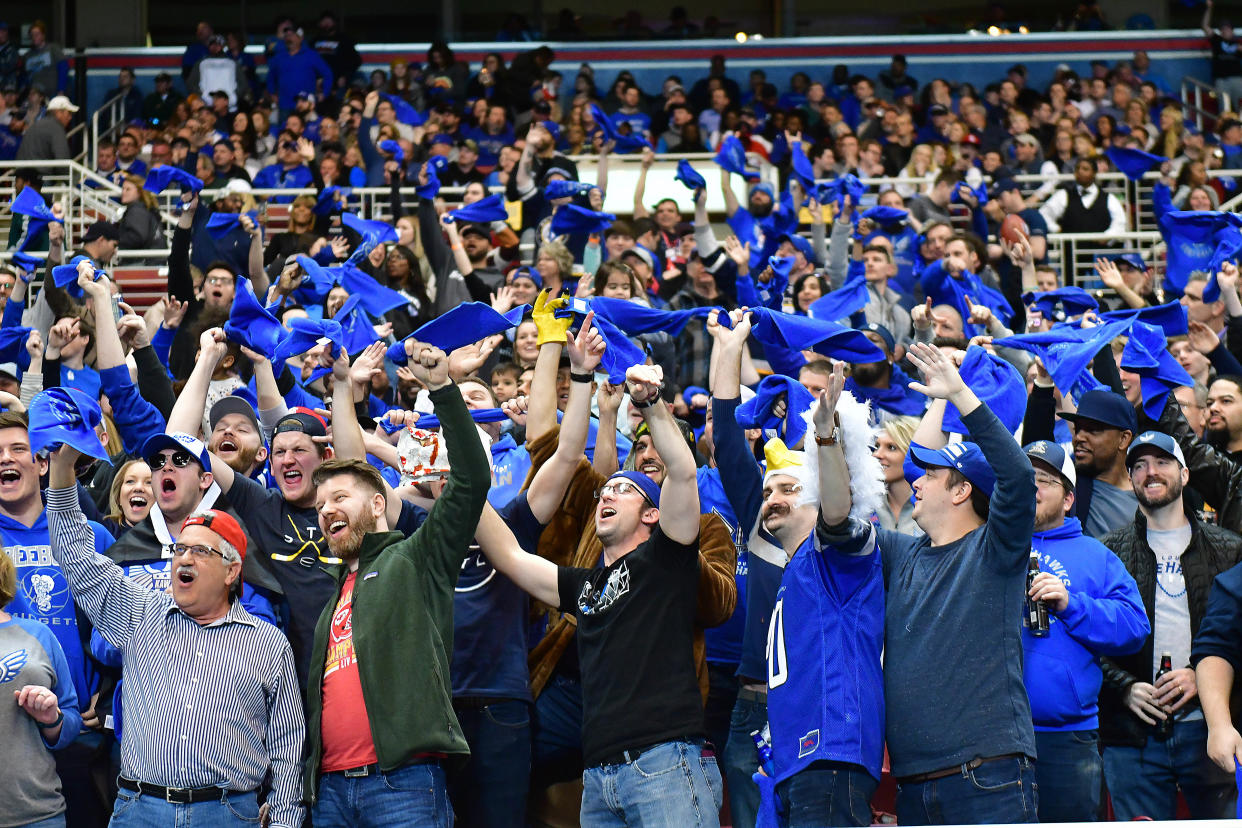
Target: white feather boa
(867,490)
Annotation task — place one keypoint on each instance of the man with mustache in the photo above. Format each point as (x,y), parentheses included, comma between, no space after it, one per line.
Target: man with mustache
(380,730)
(1174,557)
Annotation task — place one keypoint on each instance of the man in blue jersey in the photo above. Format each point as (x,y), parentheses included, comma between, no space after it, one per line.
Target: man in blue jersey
(958,727)
(825,684)
(1094,610)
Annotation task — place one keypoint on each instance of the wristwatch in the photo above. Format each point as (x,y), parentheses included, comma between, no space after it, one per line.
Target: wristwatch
(836,432)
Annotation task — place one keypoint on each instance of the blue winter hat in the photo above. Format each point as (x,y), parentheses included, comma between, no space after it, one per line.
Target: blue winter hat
(644,483)
(966,457)
(802,245)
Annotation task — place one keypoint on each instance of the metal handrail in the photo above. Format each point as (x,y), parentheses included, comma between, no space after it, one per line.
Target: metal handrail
(1193,88)
(113,107)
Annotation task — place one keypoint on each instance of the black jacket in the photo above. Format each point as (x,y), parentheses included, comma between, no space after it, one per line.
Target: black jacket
(1212,550)
(1213,472)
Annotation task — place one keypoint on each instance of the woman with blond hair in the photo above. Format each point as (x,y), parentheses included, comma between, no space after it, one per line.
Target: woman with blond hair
(892,441)
(141,227)
(130,497)
(917,176)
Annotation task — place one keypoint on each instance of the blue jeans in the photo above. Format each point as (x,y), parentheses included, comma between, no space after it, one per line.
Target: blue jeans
(134,810)
(1068,772)
(57,821)
(672,784)
(721,696)
(1002,791)
(826,793)
(1144,781)
(490,790)
(556,742)
(410,796)
(740,759)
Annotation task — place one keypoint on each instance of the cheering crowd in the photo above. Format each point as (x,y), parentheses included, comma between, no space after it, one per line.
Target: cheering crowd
(880,419)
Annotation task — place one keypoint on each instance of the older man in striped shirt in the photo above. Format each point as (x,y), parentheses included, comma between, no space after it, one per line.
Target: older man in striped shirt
(213,708)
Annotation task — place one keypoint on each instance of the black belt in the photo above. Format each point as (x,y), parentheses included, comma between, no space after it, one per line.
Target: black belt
(956,769)
(177,796)
(625,757)
(373,768)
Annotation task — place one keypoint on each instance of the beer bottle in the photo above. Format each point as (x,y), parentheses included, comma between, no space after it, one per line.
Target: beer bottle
(1164,729)
(1036,611)
(763,747)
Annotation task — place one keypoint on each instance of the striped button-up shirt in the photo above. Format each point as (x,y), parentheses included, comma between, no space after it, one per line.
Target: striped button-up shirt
(214,704)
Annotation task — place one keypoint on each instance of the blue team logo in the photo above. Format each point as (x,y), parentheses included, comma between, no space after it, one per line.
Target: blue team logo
(11,665)
(155,577)
(808,743)
(44,590)
(593,602)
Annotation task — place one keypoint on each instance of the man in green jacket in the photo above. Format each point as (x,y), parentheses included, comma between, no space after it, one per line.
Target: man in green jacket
(380,720)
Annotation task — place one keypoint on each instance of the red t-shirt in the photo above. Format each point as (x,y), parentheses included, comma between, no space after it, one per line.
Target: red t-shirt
(346,731)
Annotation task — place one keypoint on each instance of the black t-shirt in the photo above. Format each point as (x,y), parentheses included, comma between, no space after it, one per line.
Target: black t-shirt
(1226,57)
(636,647)
(297,555)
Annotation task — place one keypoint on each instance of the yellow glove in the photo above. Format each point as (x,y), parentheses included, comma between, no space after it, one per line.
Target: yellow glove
(551,329)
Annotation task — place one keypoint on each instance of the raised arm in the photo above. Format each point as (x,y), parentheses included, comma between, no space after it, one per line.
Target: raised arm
(726,190)
(535,575)
(541,413)
(254,263)
(640,188)
(180,282)
(187,414)
(608,402)
(679,520)
(834,475)
(1206,25)
(548,486)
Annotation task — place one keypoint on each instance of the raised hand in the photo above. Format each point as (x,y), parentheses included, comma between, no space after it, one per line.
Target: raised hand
(940,375)
(62,333)
(1227,278)
(738,252)
(979,314)
(1202,338)
(467,360)
(1107,270)
(740,319)
(212,344)
(551,328)
(428,364)
(503,299)
(515,409)
(609,396)
(34,346)
(825,412)
(586,348)
(644,382)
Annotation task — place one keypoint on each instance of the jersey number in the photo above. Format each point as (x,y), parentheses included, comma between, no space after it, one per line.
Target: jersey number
(778,666)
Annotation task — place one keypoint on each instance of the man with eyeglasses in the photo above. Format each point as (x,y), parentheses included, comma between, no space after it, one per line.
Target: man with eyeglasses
(642,727)
(1094,609)
(215,712)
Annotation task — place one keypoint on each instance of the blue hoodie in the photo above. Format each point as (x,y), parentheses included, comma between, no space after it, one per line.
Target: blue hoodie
(1105,617)
(43,594)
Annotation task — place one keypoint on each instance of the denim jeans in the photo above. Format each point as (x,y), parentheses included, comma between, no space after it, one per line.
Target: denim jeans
(556,741)
(718,711)
(134,810)
(85,771)
(1002,791)
(826,793)
(490,789)
(1144,781)
(1068,773)
(740,759)
(672,784)
(414,796)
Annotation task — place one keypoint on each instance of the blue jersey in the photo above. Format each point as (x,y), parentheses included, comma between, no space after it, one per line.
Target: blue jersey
(825,684)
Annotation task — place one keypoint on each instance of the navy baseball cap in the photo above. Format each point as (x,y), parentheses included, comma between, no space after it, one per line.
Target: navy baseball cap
(303,420)
(803,246)
(1003,186)
(882,332)
(1053,455)
(966,457)
(1104,407)
(644,483)
(178,441)
(1150,441)
(1132,259)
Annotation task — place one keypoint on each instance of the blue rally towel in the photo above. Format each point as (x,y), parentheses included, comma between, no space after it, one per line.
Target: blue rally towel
(634,319)
(687,175)
(1133,163)
(26,262)
(479,415)
(30,203)
(65,416)
(373,233)
(801,166)
(468,322)
(1072,301)
(357,329)
(252,325)
(1145,354)
(797,333)
(66,276)
(996,383)
(570,218)
(220,225)
(1067,351)
(757,411)
(305,334)
(318,282)
(393,148)
(376,299)
(483,211)
(405,113)
(620,353)
(837,189)
(843,302)
(13,346)
(327,204)
(560,188)
(158,179)
(432,187)
(884,215)
(624,143)
(732,158)
(1171,317)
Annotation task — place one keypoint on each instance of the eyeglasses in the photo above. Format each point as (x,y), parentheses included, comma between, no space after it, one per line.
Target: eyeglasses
(1047,481)
(198,551)
(219,280)
(180,459)
(620,487)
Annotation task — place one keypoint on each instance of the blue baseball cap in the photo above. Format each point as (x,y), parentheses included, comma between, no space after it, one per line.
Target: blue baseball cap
(1054,456)
(178,441)
(644,483)
(1150,441)
(764,187)
(1131,258)
(882,332)
(1103,406)
(966,457)
(803,246)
